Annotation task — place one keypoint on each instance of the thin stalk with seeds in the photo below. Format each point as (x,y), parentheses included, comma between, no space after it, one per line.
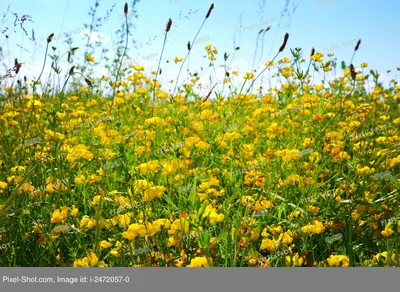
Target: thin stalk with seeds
(280,50)
(254,80)
(35,83)
(308,69)
(123,55)
(167,29)
(180,69)
(355,50)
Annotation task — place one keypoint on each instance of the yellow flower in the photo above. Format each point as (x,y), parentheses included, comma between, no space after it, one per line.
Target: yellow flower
(36,103)
(315,228)
(79,152)
(89,58)
(388,230)
(82,262)
(170,167)
(80,179)
(287,237)
(115,253)
(93,260)
(74,211)
(269,63)
(105,244)
(248,75)
(268,244)
(284,60)
(59,215)
(200,262)
(295,261)
(154,121)
(134,230)
(334,260)
(208,47)
(124,220)
(96,200)
(178,59)
(138,68)
(150,166)
(317,57)
(203,145)
(163,95)
(179,224)
(87,223)
(214,217)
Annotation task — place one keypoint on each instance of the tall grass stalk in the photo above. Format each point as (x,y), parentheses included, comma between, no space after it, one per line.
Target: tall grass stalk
(188,53)
(123,55)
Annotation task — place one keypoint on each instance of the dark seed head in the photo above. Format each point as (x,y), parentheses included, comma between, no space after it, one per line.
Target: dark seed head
(312,52)
(284,42)
(126,9)
(209,10)
(188,45)
(353,72)
(50,37)
(169,24)
(88,82)
(357,45)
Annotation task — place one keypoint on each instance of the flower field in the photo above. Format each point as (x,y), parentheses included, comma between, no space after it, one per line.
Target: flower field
(304,174)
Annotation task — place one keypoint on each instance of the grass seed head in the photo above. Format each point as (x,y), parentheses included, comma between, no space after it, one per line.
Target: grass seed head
(126,9)
(169,24)
(209,10)
(357,45)
(88,82)
(284,42)
(50,37)
(353,72)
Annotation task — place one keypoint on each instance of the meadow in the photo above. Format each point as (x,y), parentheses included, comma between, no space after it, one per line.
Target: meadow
(304,174)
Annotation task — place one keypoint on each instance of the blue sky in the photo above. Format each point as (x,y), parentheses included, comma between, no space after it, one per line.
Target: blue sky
(325,24)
